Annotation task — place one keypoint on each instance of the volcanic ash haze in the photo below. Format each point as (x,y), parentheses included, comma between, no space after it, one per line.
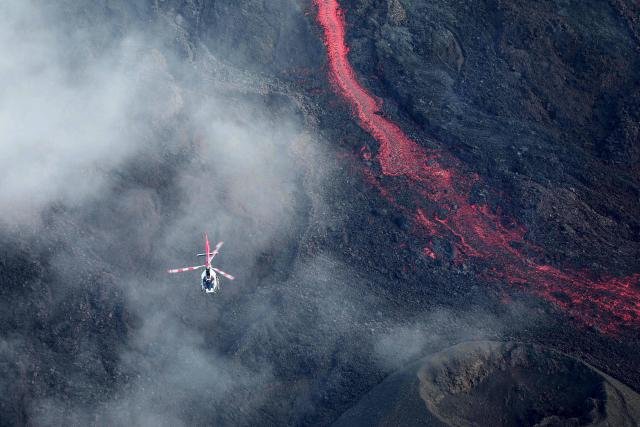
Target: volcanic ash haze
(117,153)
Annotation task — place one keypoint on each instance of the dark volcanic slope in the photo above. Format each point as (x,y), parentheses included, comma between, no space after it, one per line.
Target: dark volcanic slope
(488,383)
(448,208)
(486,189)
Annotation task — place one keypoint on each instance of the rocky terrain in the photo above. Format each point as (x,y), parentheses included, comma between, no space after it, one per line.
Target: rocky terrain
(143,124)
(489,383)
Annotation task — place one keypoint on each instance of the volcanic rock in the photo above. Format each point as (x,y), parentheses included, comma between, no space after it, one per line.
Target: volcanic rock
(497,384)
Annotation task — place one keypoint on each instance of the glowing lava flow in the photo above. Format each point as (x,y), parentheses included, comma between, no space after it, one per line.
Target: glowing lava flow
(448,213)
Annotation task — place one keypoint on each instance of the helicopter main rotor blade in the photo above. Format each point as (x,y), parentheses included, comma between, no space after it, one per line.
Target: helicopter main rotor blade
(216,250)
(222,273)
(182,270)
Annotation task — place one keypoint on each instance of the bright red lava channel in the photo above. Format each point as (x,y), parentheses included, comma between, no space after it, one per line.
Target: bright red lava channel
(478,233)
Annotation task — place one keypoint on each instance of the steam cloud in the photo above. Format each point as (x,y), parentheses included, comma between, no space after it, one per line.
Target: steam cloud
(119,153)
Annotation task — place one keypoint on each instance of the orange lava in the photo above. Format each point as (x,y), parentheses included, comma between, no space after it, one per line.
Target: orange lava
(477,232)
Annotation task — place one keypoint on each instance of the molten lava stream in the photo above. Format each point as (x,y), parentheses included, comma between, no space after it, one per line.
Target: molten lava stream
(478,233)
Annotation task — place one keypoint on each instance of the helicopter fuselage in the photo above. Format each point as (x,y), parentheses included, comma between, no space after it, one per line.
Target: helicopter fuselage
(210,282)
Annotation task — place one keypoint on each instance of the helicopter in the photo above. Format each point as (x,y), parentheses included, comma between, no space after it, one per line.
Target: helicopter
(210,282)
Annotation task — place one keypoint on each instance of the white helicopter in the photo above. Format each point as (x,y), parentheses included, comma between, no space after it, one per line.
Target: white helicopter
(210,281)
